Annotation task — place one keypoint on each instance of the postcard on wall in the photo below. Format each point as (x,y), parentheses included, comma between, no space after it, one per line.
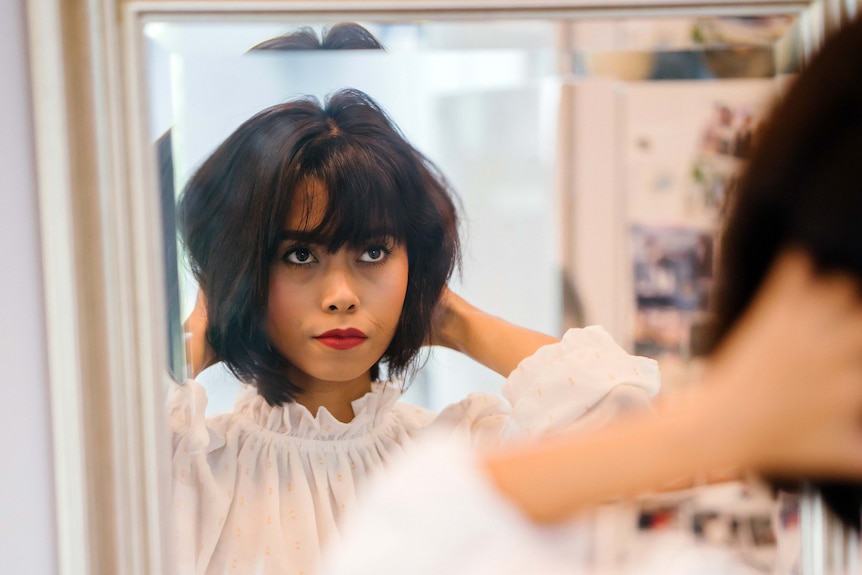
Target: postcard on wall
(672,278)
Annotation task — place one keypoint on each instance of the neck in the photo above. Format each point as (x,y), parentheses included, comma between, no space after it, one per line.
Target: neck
(335,396)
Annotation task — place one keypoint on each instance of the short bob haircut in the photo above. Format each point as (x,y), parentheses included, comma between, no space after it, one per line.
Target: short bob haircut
(234,208)
(802,189)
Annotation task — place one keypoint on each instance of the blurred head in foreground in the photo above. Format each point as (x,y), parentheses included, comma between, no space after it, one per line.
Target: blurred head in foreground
(802,189)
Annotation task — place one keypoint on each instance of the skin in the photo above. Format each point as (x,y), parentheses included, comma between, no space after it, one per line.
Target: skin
(312,291)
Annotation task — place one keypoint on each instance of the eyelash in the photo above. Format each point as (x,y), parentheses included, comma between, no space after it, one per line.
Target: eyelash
(387,251)
(292,250)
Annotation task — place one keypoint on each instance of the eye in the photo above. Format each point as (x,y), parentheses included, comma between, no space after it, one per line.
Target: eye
(375,254)
(299,256)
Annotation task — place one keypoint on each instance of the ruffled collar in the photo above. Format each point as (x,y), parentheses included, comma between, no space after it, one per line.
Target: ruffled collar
(371,411)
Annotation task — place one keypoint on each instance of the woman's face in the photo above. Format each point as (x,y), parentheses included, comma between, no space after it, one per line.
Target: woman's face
(332,315)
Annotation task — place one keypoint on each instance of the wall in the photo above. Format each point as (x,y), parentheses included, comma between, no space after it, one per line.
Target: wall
(27,532)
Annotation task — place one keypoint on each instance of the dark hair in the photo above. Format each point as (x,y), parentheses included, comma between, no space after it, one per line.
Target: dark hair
(233,210)
(342,36)
(802,189)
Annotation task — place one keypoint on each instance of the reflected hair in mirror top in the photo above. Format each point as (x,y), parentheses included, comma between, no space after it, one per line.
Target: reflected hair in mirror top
(802,190)
(342,36)
(233,210)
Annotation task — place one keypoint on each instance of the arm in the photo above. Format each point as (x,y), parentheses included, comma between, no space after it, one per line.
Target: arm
(490,340)
(556,478)
(783,397)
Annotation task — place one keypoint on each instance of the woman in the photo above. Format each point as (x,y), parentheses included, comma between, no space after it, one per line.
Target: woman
(323,242)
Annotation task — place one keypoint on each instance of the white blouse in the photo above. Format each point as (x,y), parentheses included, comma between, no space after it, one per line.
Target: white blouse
(259,490)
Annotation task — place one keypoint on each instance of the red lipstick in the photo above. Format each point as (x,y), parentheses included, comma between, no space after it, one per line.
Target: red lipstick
(342,338)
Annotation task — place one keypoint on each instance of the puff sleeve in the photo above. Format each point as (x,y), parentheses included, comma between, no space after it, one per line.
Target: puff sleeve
(583,381)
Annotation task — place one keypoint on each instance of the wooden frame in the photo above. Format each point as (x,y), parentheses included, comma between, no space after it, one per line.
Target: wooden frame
(101,240)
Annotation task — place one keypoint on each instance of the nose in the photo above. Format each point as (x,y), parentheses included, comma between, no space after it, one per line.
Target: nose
(339,294)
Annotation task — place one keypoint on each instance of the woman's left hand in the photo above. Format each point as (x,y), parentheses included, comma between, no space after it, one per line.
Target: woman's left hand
(492,341)
(446,324)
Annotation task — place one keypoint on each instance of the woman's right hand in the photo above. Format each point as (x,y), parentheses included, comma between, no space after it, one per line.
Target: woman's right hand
(199,353)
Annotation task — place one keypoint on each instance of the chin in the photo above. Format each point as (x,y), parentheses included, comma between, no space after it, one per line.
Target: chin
(342,376)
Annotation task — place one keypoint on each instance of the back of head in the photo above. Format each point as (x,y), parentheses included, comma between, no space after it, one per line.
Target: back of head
(802,190)
(233,211)
(341,36)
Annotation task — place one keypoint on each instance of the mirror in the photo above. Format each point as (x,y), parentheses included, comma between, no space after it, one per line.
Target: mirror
(579,58)
(593,159)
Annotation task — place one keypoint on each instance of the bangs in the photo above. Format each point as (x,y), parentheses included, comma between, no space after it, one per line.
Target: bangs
(363,190)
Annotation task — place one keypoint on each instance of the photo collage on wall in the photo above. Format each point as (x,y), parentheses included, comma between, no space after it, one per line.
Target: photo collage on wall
(683,162)
(673,272)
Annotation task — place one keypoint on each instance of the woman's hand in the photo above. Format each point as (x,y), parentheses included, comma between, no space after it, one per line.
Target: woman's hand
(490,340)
(199,354)
(448,321)
(793,369)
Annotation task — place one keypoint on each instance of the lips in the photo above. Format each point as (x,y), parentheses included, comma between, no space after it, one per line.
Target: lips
(342,338)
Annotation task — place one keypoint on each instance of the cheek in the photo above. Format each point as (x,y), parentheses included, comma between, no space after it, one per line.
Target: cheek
(283,302)
(395,289)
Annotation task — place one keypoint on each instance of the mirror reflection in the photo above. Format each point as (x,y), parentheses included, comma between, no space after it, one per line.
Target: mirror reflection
(591,164)
(485,101)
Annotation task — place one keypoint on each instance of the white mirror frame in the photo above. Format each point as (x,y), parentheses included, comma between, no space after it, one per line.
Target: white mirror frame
(102,253)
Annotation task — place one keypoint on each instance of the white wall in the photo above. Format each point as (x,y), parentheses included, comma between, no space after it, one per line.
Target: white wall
(27,530)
